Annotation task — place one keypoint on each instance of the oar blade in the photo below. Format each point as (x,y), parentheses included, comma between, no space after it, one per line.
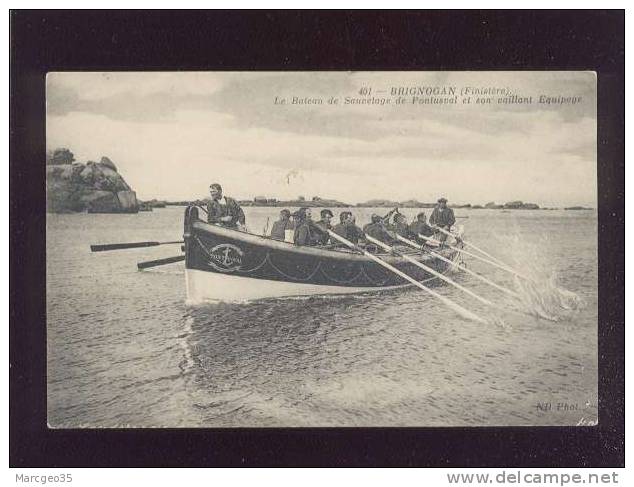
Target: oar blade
(432,271)
(452,263)
(158,262)
(448,302)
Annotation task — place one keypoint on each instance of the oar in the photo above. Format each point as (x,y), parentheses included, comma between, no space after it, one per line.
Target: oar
(154,263)
(450,281)
(468,244)
(129,245)
(451,262)
(494,264)
(431,271)
(448,302)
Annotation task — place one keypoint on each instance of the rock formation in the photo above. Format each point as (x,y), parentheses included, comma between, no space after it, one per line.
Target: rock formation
(95,187)
(492,206)
(520,205)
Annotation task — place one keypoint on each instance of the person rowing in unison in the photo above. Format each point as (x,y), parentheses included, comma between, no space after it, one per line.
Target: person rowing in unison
(223,210)
(348,229)
(400,225)
(322,226)
(304,234)
(420,227)
(376,229)
(355,233)
(278,232)
(442,217)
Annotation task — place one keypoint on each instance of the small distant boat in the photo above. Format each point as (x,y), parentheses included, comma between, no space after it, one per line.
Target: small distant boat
(223,264)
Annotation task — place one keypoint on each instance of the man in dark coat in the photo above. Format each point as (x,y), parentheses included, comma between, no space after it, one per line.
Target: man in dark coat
(400,225)
(355,234)
(304,234)
(347,228)
(376,229)
(341,227)
(224,210)
(278,232)
(442,217)
(322,225)
(420,227)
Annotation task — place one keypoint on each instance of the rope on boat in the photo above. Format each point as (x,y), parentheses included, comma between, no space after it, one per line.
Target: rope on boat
(361,278)
(312,274)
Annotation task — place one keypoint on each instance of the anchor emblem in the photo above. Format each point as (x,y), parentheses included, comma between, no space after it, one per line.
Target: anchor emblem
(225,257)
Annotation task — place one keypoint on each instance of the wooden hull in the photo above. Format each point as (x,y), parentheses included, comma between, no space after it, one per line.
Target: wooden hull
(223,264)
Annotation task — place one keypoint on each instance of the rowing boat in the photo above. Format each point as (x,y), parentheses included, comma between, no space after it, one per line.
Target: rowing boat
(224,264)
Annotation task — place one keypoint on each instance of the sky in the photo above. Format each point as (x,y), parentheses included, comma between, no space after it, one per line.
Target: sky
(171,134)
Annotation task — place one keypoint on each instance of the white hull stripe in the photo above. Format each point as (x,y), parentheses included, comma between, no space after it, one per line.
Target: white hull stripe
(211,286)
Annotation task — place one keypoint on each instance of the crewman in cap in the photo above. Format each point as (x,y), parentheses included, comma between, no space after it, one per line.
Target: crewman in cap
(376,229)
(278,232)
(322,226)
(420,227)
(223,210)
(355,234)
(442,217)
(304,234)
(341,228)
(348,229)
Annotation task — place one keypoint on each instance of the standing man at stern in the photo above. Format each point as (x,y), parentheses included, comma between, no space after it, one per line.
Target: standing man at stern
(442,217)
(224,210)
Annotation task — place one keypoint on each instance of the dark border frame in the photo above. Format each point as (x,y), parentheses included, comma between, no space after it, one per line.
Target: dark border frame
(43,41)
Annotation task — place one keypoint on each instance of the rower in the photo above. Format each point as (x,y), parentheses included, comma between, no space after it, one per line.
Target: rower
(442,217)
(223,210)
(400,225)
(420,227)
(322,236)
(341,227)
(376,229)
(348,229)
(355,234)
(278,232)
(303,228)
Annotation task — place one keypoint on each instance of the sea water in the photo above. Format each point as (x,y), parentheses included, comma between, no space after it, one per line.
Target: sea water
(125,350)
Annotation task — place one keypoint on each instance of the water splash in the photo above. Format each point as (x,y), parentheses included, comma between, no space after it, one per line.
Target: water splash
(547,299)
(542,294)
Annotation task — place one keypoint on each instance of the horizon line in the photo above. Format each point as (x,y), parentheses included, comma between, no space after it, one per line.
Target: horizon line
(347,203)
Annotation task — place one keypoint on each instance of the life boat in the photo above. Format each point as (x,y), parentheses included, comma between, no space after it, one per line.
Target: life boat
(225,264)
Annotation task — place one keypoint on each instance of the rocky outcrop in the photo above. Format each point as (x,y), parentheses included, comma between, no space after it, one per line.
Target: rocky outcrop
(415,204)
(520,205)
(492,206)
(379,203)
(95,187)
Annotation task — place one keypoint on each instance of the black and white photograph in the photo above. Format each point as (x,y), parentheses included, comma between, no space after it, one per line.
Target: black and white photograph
(321,249)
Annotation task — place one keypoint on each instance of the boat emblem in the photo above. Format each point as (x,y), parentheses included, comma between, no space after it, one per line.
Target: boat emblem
(225,258)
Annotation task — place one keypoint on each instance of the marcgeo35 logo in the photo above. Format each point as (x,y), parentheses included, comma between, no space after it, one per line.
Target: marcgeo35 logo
(225,258)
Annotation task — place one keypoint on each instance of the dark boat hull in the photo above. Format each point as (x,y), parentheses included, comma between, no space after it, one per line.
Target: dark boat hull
(228,265)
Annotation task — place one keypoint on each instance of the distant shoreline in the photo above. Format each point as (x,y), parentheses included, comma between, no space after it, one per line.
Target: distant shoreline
(389,205)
